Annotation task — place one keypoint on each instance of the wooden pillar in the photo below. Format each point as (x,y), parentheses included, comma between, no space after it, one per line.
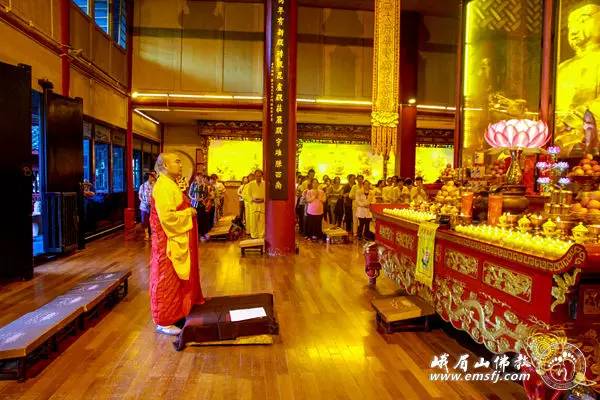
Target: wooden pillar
(410,23)
(407,145)
(65,43)
(279,125)
(130,209)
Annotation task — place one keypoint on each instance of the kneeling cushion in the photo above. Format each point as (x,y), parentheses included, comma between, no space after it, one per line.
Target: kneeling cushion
(210,322)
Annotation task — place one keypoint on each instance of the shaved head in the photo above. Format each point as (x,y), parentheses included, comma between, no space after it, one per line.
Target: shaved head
(168,164)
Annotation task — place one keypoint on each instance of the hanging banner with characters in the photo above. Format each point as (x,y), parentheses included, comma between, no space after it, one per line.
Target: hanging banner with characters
(425,253)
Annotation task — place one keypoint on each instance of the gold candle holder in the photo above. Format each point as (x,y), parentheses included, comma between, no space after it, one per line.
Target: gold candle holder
(512,219)
(536,221)
(594,232)
(564,226)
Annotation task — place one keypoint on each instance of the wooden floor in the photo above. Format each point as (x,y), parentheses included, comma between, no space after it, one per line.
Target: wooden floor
(328,347)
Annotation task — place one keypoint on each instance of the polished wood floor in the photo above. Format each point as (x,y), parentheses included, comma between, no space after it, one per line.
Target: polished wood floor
(328,347)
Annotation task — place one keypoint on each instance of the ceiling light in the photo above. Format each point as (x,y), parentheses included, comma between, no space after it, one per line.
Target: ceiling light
(137,94)
(347,102)
(201,96)
(412,101)
(247,97)
(146,116)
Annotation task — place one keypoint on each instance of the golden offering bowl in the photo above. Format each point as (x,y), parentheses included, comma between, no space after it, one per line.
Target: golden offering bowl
(512,219)
(536,220)
(564,226)
(594,231)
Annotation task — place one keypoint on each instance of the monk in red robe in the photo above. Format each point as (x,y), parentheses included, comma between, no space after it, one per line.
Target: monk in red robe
(174,272)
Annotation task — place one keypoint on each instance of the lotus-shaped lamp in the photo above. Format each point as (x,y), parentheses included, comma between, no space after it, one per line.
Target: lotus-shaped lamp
(517,134)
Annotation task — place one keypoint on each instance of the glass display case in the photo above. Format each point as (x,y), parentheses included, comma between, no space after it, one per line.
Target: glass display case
(577,89)
(501,70)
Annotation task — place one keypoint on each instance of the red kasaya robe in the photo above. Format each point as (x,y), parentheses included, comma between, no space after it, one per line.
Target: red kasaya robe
(174,272)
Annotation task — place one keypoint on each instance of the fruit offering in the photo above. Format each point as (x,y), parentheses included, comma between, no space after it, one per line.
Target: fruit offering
(586,167)
(448,194)
(589,204)
(497,169)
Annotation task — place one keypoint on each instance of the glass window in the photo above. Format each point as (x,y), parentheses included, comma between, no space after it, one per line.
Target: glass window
(83,4)
(137,169)
(86,159)
(119,31)
(101,14)
(501,68)
(101,158)
(118,169)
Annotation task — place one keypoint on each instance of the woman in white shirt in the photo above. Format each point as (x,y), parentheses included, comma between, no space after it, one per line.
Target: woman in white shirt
(364,199)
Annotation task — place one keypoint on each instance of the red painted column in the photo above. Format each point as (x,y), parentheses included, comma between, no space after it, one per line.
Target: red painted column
(129,216)
(280,233)
(409,69)
(65,42)
(408,133)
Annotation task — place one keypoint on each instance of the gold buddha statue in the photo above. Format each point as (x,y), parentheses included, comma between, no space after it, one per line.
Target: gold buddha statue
(578,83)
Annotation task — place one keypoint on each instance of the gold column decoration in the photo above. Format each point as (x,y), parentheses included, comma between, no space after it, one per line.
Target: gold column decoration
(386,71)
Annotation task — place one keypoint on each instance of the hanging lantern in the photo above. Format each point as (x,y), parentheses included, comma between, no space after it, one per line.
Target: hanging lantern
(386,71)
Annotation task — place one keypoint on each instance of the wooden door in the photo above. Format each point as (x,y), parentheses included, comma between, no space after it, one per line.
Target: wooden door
(16,241)
(63,160)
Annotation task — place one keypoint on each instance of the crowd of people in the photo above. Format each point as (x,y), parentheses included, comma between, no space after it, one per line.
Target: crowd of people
(348,205)
(318,203)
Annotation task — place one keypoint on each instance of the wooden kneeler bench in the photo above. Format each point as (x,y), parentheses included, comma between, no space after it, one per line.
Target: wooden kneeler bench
(402,313)
(336,235)
(253,245)
(36,334)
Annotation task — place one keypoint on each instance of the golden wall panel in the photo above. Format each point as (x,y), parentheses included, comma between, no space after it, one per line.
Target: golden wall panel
(80,32)
(155,65)
(202,65)
(242,66)
(100,49)
(118,63)
(310,69)
(146,128)
(17,48)
(99,101)
(41,13)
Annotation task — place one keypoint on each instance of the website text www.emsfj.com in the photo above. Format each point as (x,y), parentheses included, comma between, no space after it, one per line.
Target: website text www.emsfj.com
(494,377)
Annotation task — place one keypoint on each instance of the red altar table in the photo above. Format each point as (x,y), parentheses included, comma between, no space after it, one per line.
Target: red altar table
(499,296)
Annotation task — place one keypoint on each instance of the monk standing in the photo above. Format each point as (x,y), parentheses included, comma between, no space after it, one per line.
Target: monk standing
(174,272)
(256,195)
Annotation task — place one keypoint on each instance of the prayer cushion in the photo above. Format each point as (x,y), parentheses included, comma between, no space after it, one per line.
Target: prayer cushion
(211,321)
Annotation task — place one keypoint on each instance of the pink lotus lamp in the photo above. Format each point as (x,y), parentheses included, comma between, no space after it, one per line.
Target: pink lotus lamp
(517,135)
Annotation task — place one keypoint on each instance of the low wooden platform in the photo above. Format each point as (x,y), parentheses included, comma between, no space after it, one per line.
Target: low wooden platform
(252,244)
(222,228)
(402,313)
(336,235)
(39,331)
